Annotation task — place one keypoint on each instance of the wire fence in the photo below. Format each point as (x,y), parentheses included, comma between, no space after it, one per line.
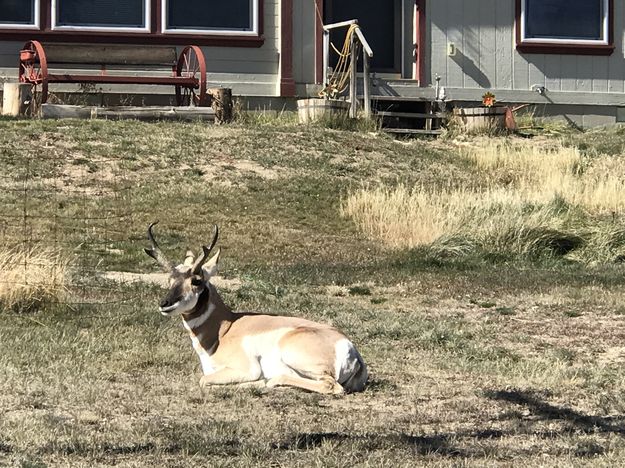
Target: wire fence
(63,225)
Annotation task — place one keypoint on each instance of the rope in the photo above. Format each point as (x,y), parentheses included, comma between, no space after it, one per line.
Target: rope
(339,80)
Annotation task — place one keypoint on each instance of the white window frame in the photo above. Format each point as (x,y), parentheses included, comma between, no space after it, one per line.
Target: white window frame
(215,31)
(605,24)
(35,25)
(55,27)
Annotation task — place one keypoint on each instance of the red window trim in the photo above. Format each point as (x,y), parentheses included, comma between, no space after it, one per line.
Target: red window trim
(47,34)
(570,49)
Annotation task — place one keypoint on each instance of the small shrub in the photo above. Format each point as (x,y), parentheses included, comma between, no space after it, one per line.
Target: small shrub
(359,291)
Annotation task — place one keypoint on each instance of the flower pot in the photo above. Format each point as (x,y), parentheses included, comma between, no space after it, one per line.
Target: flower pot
(482,118)
(310,110)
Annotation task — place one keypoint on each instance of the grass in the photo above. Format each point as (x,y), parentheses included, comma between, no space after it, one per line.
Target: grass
(534,200)
(481,352)
(32,277)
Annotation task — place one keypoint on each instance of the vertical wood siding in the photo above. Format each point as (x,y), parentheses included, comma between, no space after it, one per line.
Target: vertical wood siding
(484,34)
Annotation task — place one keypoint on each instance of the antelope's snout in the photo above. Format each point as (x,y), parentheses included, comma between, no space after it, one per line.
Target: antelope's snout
(180,298)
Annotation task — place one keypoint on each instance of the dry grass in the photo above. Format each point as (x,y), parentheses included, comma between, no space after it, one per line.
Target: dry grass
(540,172)
(500,364)
(31,277)
(528,191)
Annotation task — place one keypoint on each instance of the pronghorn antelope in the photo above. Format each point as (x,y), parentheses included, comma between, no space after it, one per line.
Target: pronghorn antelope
(266,350)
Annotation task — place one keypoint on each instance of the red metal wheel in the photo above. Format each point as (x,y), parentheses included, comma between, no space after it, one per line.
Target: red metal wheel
(34,70)
(191,64)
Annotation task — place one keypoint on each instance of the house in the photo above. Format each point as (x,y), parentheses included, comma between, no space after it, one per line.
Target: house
(564,56)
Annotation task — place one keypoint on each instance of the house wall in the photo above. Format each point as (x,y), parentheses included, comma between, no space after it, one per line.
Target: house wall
(305,19)
(247,70)
(486,58)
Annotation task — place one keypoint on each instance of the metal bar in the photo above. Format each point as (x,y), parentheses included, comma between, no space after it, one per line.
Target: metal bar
(352,80)
(413,115)
(363,41)
(366,82)
(112,79)
(342,24)
(326,57)
(412,131)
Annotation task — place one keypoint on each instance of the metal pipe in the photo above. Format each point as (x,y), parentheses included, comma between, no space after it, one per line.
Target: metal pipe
(326,57)
(363,41)
(366,83)
(327,27)
(352,80)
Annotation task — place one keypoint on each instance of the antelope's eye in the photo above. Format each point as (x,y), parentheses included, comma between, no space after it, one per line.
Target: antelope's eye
(196,281)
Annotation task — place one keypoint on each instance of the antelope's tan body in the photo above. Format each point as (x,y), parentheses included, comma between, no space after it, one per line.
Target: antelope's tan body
(247,348)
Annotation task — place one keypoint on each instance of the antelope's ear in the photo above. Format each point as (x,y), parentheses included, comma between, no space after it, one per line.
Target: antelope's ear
(209,269)
(189,258)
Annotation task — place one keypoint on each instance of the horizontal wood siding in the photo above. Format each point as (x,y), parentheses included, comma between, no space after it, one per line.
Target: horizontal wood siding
(483,32)
(250,71)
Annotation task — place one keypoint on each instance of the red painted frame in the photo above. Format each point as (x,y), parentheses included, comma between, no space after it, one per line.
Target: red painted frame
(45,33)
(319,41)
(576,49)
(287,83)
(420,46)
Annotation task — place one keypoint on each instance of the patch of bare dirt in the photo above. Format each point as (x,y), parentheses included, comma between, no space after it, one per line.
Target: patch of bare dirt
(233,168)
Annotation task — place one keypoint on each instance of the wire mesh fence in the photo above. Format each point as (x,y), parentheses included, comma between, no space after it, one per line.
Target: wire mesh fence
(62,225)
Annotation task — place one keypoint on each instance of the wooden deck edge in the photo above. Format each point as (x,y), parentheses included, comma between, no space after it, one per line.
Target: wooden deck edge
(64,111)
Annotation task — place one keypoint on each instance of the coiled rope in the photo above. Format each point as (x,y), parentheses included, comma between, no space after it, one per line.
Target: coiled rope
(339,80)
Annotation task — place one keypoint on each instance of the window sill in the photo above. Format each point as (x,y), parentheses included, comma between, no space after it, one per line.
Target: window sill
(133,38)
(564,49)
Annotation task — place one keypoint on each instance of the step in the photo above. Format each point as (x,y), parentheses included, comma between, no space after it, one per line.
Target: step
(412,115)
(400,98)
(411,131)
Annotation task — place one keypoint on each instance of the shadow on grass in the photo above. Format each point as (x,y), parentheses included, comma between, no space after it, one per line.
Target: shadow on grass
(106,448)
(461,444)
(422,445)
(581,422)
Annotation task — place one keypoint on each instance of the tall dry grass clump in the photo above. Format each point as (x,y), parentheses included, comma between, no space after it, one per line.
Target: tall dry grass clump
(30,277)
(541,172)
(392,214)
(529,200)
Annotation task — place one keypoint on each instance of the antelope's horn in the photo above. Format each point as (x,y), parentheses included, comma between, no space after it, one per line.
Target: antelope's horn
(155,252)
(197,266)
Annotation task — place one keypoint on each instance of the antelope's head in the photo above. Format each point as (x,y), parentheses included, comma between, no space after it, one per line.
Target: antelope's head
(188,280)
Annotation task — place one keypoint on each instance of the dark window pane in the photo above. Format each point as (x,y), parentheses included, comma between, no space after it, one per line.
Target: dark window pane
(564,19)
(17,11)
(379,23)
(210,14)
(102,13)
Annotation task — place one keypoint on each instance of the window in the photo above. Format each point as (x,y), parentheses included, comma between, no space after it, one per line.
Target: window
(572,24)
(22,14)
(216,16)
(129,15)
(230,23)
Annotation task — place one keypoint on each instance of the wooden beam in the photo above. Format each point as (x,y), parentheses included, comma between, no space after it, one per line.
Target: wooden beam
(58,111)
(287,83)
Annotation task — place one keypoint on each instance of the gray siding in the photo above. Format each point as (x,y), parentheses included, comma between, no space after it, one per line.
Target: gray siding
(304,20)
(486,59)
